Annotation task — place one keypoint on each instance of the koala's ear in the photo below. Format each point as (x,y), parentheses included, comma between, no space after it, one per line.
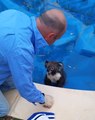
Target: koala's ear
(61,64)
(46,63)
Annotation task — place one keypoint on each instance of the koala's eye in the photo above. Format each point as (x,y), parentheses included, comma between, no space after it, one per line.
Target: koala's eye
(52,68)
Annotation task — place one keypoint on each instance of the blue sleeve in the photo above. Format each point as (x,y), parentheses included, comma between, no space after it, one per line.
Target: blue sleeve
(20,63)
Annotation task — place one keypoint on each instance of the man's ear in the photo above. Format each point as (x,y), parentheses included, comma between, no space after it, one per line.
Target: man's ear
(46,63)
(51,35)
(50,38)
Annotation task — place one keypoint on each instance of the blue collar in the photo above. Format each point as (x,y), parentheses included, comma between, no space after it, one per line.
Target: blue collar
(38,40)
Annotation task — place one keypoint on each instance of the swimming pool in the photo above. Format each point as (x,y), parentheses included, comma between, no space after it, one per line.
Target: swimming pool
(76,49)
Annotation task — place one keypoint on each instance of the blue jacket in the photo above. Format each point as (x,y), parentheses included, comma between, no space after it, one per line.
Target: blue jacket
(19,41)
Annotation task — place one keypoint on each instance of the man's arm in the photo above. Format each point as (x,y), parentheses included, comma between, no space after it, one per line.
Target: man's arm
(21,66)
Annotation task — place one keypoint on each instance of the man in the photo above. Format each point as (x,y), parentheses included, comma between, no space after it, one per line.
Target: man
(20,39)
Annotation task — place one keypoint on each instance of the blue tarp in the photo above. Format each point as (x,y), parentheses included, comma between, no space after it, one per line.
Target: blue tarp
(76,49)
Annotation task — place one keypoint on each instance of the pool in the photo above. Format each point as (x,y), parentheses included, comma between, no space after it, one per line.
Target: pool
(76,49)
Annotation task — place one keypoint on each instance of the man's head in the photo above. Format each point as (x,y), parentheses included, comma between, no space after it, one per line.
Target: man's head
(52,25)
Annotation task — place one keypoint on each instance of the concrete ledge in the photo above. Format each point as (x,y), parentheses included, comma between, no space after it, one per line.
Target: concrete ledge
(69,104)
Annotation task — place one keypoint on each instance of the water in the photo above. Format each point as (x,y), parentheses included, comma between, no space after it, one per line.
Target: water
(76,49)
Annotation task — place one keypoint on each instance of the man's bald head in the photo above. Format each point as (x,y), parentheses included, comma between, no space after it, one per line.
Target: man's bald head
(54,19)
(52,25)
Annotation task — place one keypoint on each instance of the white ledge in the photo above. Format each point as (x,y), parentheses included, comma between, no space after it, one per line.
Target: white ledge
(69,104)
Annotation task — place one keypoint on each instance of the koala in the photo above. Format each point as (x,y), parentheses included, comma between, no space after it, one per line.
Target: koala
(55,74)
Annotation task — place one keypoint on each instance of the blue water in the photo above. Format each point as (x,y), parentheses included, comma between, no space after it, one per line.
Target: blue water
(80,70)
(76,49)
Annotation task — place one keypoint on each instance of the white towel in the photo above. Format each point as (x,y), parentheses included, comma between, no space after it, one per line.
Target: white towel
(42,116)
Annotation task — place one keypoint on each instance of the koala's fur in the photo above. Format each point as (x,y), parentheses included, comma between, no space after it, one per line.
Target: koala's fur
(55,74)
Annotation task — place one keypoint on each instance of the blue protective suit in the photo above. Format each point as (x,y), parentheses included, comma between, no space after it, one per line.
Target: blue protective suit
(19,41)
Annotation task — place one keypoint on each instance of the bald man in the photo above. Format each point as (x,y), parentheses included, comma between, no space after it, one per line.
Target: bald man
(20,39)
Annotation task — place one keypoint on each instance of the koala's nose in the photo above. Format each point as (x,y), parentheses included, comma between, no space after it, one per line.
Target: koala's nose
(49,72)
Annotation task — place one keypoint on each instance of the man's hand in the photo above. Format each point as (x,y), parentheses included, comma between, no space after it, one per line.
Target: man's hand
(48,101)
